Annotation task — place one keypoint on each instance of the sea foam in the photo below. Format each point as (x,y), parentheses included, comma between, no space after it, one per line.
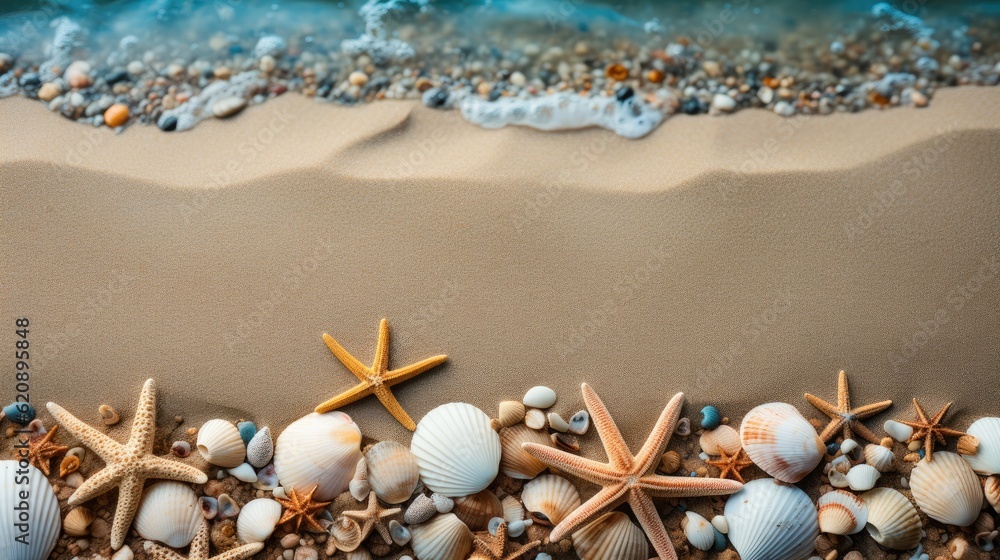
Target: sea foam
(199,107)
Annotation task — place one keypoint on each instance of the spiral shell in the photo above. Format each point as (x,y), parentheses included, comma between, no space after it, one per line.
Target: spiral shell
(477,510)
(346,534)
(257,520)
(392,471)
(841,513)
(169,513)
(219,442)
(947,489)
(986,460)
(724,437)
(457,451)
(318,450)
(45,523)
(892,520)
(879,456)
(769,520)
(514,460)
(611,536)
(549,499)
(781,442)
(444,537)
(699,532)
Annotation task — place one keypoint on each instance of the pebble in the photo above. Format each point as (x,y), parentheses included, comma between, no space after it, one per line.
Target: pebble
(919,99)
(765,94)
(270,45)
(168,123)
(306,553)
(49,91)
(116,115)
(539,397)
(6,61)
(518,79)
(228,106)
(77,74)
(357,78)
(135,68)
(113,78)
(557,423)
(124,553)
(897,430)
(290,540)
(267,64)
(784,108)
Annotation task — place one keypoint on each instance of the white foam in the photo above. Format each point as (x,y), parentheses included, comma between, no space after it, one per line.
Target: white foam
(376,41)
(199,107)
(8,85)
(66,36)
(270,45)
(892,19)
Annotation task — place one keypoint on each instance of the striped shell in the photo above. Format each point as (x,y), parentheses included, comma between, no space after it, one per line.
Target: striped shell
(611,536)
(477,509)
(346,533)
(781,442)
(991,487)
(169,513)
(457,451)
(947,489)
(862,478)
(257,520)
(392,471)
(549,499)
(724,437)
(841,513)
(987,458)
(43,506)
(318,450)
(892,520)
(220,443)
(444,537)
(511,412)
(769,520)
(879,456)
(514,460)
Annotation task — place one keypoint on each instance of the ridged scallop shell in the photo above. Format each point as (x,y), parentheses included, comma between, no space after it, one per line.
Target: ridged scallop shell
(724,437)
(699,532)
(457,451)
(220,443)
(611,536)
(392,471)
(987,458)
(511,412)
(550,498)
(260,450)
(781,442)
(320,450)
(512,509)
(77,522)
(45,523)
(879,456)
(257,520)
(862,478)
(769,520)
(477,510)
(169,513)
(947,489)
(515,462)
(841,513)
(892,520)
(444,537)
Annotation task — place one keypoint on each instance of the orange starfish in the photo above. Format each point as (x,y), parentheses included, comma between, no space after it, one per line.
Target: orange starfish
(41,450)
(628,477)
(843,417)
(302,509)
(930,430)
(376,379)
(373,517)
(495,547)
(731,465)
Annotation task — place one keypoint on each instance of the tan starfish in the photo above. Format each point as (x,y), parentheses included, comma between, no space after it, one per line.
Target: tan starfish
(930,430)
(378,378)
(628,477)
(373,517)
(302,509)
(41,450)
(200,549)
(843,417)
(495,547)
(127,465)
(730,465)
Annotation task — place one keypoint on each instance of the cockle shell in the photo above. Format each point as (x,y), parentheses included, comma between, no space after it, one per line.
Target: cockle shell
(987,458)
(260,450)
(318,450)
(44,524)
(781,442)
(77,522)
(699,532)
(257,520)
(892,520)
(841,513)
(724,437)
(477,510)
(862,478)
(219,442)
(549,499)
(514,460)
(879,456)
(947,489)
(769,520)
(169,513)
(457,451)
(444,537)
(511,412)
(392,471)
(611,536)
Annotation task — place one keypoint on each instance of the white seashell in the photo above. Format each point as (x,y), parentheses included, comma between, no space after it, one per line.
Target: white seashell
(511,412)
(444,537)
(209,507)
(992,489)
(841,513)
(44,524)
(699,531)
(848,445)
(892,520)
(318,450)
(557,423)
(898,431)
(769,520)
(514,460)
(987,458)
(260,450)
(477,510)
(879,456)
(781,442)
(862,478)
(947,489)
(841,463)
(611,536)
(267,478)
(244,473)
(219,442)
(443,504)
(720,523)
(399,534)
(539,397)
(838,479)
(168,513)
(457,451)
(512,510)
(579,423)
(392,471)
(724,437)
(549,499)
(535,419)
(257,520)
(124,553)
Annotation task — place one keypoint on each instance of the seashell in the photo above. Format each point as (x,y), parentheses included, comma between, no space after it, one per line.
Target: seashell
(168,513)
(209,507)
(511,412)
(318,450)
(181,449)
(69,465)
(670,462)
(443,504)
(247,431)
(514,528)
(987,457)
(897,430)
(260,450)
(892,520)
(514,460)
(444,537)
(477,510)
(781,442)
(724,437)
(699,532)
(841,513)
(123,553)
(45,521)
(549,499)
(539,397)
(420,510)
(683,427)
(862,478)
(267,478)
(557,423)
(77,522)
(392,471)
(579,423)
(848,445)
(841,463)
(358,554)
(244,473)
(720,524)
(228,507)
(838,479)
(992,489)
(109,416)
(566,441)
(457,451)
(769,520)
(399,534)
(512,510)
(346,534)
(359,486)
(879,457)
(611,536)
(968,445)
(947,489)
(219,442)
(535,419)
(710,419)
(959,547)
(257,520)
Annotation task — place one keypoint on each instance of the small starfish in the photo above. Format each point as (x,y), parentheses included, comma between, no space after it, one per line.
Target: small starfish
(372,518)
(128,465)
(378,378)
(199,549)
(628,477)
(302,509)
(495,547)
(843,417)
(731,465)
(41,450)
(930,430)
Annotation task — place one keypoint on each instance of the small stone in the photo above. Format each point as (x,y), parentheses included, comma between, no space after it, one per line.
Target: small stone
(228,106)
(135,68)
(270,45)
(723,103)
(357,78)
(897,430)
(290,540)
(49,91)
(124,553)
(77,74)
(267,64)
(113,78)
(116,115)
(168,123)
(557,423)
(19,412)
(6,61)
(919,99)
(518,79)
(74,480)
(222,72)
(305,553)
(539,397)
(442,503)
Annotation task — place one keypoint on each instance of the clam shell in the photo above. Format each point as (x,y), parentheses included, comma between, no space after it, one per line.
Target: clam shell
(77,522)
(992,489)
(169,513)
(947,489)
(457,451)
(879,456)
(549,499)
(514,460)
(444,537)
(260,450)
(258,519)
(318,450)
(892,520)
(45,523)
(769,520)
(535,419)
(219,442)
(511,412)
(724,437)
(781,442)
(699,531)
(841,513)
(862,478)
(987,458)
(392,471)
(477,510)
(611,536)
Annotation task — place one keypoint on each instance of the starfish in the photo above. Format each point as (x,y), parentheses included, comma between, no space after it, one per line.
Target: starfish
(378,378)
(930,430)
(199,549)
(843,417)
(372,518)
(41,450)
(628,477)
(127,465)
(302,509)
(731,465)
(495,547)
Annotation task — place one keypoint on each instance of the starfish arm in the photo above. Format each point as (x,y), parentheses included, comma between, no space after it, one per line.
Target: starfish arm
(687,486)
(100,482)
(602,502)
(645,511)
(580,467)
(831,429)
(160,552)
(129,493)
(158,467)
(822,405)
(940,414)
(407,372)
(659,437)
(390,403)
(241,552)
(381,362)
(864,432)
(870,409)
(524,549)
(199,546)
(383,532)
(350,362)
(144,423)
(920,411)
(950,432)
(614,444)
(102,445)
(843,392)
(358,392)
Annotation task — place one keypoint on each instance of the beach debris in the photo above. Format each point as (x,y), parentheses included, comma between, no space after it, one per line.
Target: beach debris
(781,442)
(731,466)
(320,451)
(41,449)
(986,458)
(301,510)
(392,471)
(841,513)
(375,516)
(497,547)
(511,412)
(260,449)
(844,418)
(200,548)
(37,496)
(612,535)
(515,462)
(539,397)
(477,509)
(769,520)
(698,531)
(722,438)
(457,451)
(257,520)
(444,537)
(947,489)
(893,522)
(549,499)
(930,430)
(169,513)
(219,442)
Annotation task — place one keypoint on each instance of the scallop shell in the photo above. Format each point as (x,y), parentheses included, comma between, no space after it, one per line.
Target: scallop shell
(260,450)
(549,499)
(987,458)
(45,523)
(779,440)
(511,412)
(257,520)
(457,451)
(512,510)
(392,471)
(318,450)
(699,532)
(879,456)
(514,460)
(841,513)
(947,489)
(219,442)
(477,510)
(862,478)
(611,536)
(77,522)
(169,513)
(724,437)
(769,520)
(892,520)
(444,537)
